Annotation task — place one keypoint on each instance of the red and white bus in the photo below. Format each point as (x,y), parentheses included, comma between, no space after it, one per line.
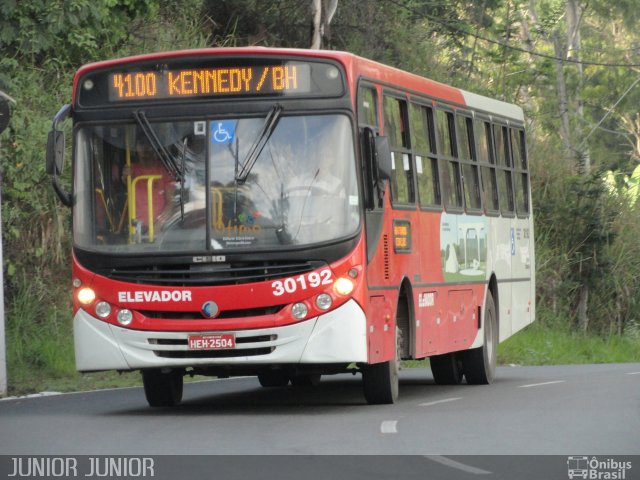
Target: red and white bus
(291,214)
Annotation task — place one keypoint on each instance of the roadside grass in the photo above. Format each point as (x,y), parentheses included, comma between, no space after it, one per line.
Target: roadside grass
(541,345)
(39,346)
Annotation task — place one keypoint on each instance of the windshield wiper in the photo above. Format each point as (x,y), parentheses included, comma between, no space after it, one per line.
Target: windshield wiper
(166,158)
(269,125)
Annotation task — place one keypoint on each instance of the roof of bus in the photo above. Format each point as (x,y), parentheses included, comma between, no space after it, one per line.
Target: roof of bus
(357,67)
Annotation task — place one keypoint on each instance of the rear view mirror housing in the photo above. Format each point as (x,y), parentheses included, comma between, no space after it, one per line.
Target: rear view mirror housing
(383,157)
(55,152)
(55,155)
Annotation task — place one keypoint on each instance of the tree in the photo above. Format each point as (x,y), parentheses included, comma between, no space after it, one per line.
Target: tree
(321,22)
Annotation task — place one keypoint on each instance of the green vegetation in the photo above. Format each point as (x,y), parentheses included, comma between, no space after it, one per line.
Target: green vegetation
(539,345)
(571,65)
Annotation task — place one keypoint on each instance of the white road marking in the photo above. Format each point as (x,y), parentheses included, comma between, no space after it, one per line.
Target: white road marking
(389,426)
(437,402)
(633,373)
(32,395)
(457,465)
(540,384)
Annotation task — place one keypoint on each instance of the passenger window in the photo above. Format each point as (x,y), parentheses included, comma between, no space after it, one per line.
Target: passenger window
(367,108)
(463,132)
(445,145)
(505,182)
(487,165)
(423,143)
(466,153)
(395,125)
(521,174)
(450,167)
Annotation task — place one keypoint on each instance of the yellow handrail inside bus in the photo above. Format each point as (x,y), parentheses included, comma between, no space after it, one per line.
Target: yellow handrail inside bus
(132,229)
(216,209)
(132,203)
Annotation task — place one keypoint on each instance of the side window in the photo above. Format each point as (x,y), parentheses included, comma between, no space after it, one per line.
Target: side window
(445,145)
(395,126)
(367,108)
(486,159)
(449,165)
(505,181)
(424,149)
(368,119)
(468,160)
(520,171)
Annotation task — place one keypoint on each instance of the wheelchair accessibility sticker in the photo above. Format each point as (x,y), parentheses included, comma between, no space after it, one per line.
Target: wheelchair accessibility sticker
(223,131)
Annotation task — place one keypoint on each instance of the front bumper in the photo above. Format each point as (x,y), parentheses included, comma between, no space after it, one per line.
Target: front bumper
(339,336)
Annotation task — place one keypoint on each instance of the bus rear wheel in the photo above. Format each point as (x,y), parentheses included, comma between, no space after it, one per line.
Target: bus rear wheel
(446,368)
(163,388)
(479,364)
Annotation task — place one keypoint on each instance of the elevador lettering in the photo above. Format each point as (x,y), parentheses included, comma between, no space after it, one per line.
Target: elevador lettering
(153,296)
(67,467)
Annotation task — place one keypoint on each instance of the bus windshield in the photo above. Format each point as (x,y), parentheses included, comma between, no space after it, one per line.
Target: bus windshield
(228,183)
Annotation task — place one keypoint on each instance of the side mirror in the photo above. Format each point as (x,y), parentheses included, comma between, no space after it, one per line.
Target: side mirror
(55,152)
(383,157)
(55,155)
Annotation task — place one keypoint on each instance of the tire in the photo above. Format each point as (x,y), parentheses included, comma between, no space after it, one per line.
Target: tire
(380,380)
(306,380)
(273,378)
(479,364)
(446,369)
(163,389)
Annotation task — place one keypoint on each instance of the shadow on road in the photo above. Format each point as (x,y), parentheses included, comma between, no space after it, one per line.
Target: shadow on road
(246,396)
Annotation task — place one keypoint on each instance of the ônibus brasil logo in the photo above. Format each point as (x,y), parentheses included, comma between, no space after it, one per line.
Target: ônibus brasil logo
(597,469)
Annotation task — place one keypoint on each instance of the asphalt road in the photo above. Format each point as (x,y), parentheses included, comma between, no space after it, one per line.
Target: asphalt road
(554,410)
(528,424)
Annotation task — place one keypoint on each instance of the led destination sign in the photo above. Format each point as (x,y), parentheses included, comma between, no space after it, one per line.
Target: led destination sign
(285,79)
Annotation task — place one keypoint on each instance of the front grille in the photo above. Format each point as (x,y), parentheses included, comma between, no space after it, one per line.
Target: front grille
(209,274)
(241,313)
(251,352)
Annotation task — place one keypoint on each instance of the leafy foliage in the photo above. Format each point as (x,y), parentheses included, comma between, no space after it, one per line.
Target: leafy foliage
(43,43)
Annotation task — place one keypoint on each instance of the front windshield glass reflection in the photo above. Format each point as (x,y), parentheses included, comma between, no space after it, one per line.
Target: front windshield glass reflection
(179,188)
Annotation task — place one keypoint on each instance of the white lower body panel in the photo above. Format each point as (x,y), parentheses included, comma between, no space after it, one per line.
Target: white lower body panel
(336,337)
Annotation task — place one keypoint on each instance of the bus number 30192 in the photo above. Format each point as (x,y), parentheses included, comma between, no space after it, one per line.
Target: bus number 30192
(302,282)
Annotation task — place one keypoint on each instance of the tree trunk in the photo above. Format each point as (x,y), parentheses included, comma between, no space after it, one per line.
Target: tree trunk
(583,317)
(320,24)
(574,45)
(316,11)
(563,102)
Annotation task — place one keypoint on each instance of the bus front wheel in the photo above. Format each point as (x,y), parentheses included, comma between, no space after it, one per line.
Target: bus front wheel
(163,388)
(273,378)
(380,380)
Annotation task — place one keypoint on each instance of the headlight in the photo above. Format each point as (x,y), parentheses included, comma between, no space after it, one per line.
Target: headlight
(125,317)
(86,296)
(299,311)
(343,286)
(324,301)
(103,309)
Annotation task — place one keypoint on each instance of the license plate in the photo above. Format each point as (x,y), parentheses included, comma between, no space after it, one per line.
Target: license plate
(220,341)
